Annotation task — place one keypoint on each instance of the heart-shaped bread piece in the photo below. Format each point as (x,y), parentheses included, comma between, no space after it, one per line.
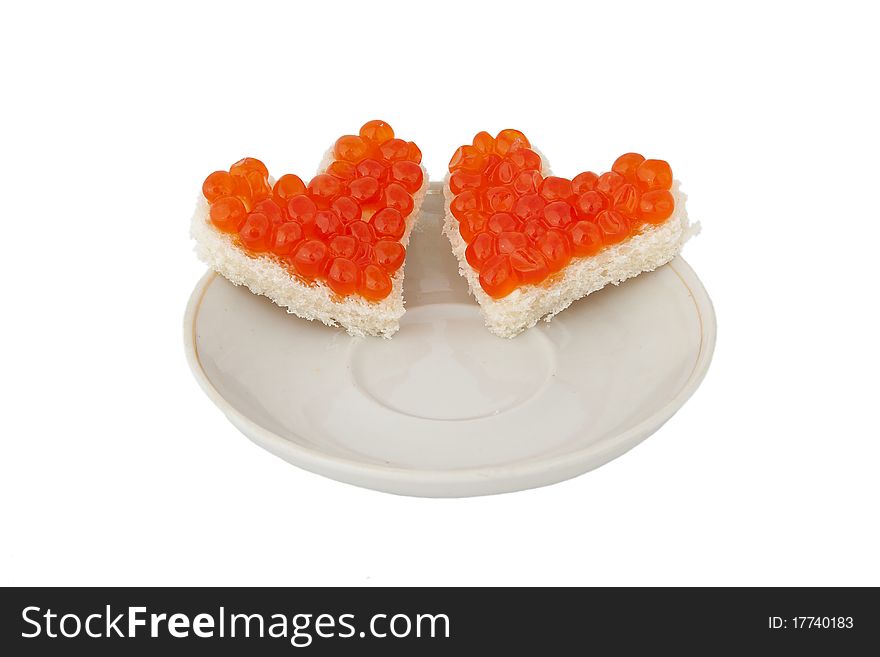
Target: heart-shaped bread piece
(332,249)
(530,243)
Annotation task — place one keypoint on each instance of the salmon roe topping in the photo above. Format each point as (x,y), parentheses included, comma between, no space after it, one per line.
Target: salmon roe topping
(228,214)
(351,149)
(497,277)
(376,132)
(413,154)
(248,165)
(218,185)
(343,227)
(256,232)
(375,284)
(508,140)
(521,226)
(286,187)
(342,170)
(627,164)
(274,212)
(484,142)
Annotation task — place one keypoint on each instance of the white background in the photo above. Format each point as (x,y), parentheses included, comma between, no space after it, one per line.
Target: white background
(116,469)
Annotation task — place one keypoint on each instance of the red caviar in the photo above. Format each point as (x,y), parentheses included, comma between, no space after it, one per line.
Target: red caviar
(556,248)
(342,277)
(413,154)
(497,277)
(274,212)
(351,149)
(529,265)
(473,222)
(502,222)
(656,207)
(511,241)
(462,180)
(373,169)
(249,165)
(586,238)
(365,190)
(286,187)
(627,164)
(375,283)
(388,222)
(376,132)
(521,226)
(342,228)
(218,185)
(394,150)
(396,196)
(409,174)
(480,250)
(389,254)
(584,182)
(287,237)
(256,232)
(553,188)
(507,140)
(654,174)
(343,246)
(309,257)
(342,170)
(484,142)
(228,214)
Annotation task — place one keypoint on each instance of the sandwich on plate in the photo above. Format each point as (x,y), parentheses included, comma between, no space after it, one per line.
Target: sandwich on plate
(330,249)
(530,243)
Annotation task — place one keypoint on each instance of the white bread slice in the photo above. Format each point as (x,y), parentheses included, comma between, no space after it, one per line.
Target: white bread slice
(264,275)
(648,249)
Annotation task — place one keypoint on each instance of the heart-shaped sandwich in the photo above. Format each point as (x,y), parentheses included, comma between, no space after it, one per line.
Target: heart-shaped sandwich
(529,243)
(332,249)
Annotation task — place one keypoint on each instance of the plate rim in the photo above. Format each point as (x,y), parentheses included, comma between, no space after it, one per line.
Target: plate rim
(476,481)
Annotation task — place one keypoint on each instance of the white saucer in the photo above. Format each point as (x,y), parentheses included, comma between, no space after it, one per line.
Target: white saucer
(446,409)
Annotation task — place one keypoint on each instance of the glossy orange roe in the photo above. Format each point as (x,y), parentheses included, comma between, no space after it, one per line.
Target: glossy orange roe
(343,227)
(522,227)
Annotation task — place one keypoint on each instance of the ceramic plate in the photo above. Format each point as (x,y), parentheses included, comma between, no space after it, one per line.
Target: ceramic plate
(446,409)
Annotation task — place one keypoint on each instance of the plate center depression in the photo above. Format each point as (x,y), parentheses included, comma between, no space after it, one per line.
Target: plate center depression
(445,365)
